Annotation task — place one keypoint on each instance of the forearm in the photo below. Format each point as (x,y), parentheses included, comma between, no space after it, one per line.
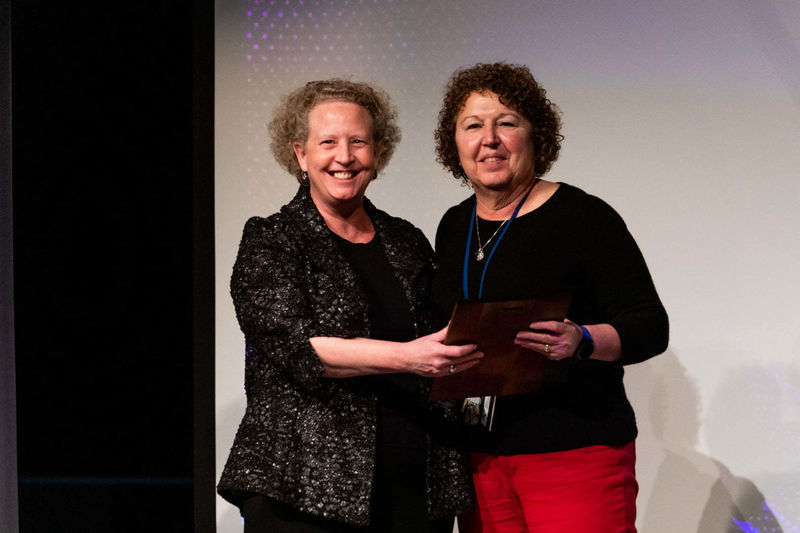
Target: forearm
(607,344)
(425,356)
(345,358)
(558,340)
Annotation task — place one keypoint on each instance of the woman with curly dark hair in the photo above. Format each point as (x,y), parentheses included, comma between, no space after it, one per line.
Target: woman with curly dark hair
(561,458)
(332,296)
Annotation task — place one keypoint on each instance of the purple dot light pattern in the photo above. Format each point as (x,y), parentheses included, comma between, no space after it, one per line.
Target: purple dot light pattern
(285,43)
(297,36)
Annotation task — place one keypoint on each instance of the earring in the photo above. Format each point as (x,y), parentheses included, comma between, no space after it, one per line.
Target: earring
(304,178)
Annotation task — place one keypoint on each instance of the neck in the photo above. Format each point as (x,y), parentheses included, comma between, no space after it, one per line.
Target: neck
(349,221)
(500,205)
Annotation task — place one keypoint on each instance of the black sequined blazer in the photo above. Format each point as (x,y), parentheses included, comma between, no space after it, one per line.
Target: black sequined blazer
(306,440)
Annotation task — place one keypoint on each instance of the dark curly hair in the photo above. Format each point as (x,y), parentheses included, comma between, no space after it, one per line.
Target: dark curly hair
(517,89)
(289,122)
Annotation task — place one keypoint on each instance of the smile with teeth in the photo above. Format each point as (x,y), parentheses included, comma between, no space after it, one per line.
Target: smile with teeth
(493,159)
(343,174)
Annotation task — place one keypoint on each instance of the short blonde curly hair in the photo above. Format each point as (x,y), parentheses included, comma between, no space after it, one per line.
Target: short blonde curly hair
(289,122)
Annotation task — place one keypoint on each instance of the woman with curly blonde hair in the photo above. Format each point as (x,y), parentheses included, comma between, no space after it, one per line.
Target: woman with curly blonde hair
(333,298)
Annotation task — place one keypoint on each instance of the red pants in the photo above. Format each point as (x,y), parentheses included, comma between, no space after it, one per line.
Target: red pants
(588,490)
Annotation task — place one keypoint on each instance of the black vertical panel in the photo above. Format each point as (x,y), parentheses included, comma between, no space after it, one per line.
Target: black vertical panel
(8,423)
(103,249)
(204,404)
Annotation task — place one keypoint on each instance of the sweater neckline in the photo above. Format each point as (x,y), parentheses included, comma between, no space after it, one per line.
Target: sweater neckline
(546,206)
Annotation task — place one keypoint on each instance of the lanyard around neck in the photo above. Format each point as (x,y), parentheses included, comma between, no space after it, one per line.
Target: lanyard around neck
(472,222)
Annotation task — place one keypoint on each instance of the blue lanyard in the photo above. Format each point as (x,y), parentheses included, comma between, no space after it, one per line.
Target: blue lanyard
(465,282)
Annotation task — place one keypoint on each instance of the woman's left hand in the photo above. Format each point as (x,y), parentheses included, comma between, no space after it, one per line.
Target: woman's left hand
(555,340)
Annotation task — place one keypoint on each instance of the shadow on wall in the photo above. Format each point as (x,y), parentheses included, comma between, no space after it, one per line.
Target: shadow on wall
(691,491)
(755,411)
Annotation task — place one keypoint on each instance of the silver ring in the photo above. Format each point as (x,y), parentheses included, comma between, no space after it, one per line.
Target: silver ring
(546,348)
(452,369)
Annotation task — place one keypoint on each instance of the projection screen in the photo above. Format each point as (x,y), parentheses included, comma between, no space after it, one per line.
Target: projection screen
(683,115)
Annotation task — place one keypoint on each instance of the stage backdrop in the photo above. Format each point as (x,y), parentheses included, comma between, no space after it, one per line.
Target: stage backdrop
(683,115)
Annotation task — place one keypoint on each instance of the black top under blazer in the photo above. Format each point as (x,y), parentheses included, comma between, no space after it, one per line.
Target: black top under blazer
(306,440)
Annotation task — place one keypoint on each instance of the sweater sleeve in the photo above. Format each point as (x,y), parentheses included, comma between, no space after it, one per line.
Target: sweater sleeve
(618,274)
(272,305)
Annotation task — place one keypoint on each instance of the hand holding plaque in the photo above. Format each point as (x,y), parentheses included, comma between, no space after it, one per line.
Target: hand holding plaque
(506,367)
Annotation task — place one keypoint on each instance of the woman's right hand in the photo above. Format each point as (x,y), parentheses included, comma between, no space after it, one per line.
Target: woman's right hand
(428,356)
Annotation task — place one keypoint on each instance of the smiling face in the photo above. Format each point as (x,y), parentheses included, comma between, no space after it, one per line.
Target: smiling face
(340,155)
(494,144)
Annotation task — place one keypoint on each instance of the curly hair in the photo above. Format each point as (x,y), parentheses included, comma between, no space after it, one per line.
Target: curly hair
(289,122)
(517,89)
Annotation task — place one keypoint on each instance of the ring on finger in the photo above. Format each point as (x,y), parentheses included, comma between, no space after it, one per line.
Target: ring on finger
(452,369)
(546,348)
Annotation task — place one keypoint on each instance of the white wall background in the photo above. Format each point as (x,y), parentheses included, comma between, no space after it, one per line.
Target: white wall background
(684,115)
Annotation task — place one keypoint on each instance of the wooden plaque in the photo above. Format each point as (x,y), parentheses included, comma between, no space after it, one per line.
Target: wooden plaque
(505,368)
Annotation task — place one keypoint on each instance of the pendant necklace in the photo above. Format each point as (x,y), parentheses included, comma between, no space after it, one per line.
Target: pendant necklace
(501,231)
(479,255)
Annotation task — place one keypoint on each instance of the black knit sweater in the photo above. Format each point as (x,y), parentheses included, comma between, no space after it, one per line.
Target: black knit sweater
(574,243)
